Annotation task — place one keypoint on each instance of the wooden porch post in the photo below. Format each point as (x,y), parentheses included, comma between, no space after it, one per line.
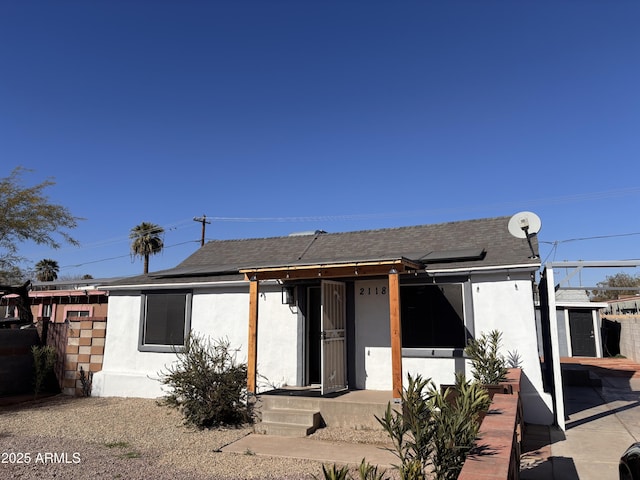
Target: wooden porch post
(396,333)
(252,359)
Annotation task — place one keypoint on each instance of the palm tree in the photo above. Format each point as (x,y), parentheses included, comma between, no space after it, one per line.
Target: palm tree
(146,240)
(47,270)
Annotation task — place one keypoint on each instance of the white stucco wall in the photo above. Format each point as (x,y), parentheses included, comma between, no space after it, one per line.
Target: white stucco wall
(216,313)
(507,305)
(373,351)
(494,302)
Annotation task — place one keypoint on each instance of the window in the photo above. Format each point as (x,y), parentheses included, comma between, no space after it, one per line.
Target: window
(165,320)
(433,316)
(47,310)
(77,313)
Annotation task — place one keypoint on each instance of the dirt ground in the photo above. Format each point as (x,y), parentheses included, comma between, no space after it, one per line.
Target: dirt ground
(112,438)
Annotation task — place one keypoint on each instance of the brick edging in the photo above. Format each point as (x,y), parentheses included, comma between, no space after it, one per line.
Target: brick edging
(500,435)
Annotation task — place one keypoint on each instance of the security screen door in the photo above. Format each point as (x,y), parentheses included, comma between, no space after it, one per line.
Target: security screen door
(333,337)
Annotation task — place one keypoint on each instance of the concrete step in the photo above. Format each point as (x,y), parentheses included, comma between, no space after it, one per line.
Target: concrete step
(284,429)
(293,402)
(356,409)
(289,422)
(291,416)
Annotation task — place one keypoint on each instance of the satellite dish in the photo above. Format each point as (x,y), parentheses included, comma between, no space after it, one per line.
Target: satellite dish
(524,224)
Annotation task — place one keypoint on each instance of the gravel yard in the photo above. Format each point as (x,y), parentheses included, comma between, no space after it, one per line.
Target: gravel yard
(110,438)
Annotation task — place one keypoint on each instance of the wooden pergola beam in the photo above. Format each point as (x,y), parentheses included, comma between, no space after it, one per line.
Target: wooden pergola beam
(340,270)
(396,335)
(252,360)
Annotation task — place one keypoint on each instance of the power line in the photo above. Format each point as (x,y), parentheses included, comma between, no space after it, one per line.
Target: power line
(122,256)
(350,217)
(555,243)
(504,205)
(597,237)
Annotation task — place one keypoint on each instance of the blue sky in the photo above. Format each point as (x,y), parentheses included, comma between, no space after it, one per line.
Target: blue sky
(273,117)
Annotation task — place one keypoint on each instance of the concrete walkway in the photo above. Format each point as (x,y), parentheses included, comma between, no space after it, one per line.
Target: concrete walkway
(603,419)
(311,449)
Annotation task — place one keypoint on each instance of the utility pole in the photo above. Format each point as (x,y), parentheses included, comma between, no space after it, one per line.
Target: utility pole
(204,221)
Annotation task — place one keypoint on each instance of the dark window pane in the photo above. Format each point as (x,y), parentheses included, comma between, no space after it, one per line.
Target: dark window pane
(165,319)
(432,316)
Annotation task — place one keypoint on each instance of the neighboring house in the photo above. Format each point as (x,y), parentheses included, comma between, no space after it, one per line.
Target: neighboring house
(60,300)
(71,316)
(356,310)
(579,324)
(65,300)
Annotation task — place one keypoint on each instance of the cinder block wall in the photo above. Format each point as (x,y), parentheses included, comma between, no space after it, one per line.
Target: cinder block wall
(629,335)
(84,349)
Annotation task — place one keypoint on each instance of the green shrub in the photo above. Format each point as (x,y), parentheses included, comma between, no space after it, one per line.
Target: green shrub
(434,430)
(489,367)
(44,359)
(411,430)
(207,384)
(456,424)
(335,473)
(366,471)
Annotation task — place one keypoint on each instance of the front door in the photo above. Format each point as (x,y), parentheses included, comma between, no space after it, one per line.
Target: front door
(333,337)
(583,343)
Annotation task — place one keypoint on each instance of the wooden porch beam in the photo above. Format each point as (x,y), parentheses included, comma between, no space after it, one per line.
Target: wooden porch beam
(396,334)
(252,360)
(359,269)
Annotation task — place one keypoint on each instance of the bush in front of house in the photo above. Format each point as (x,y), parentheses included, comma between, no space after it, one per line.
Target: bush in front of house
(435,430)
(207,384)
(456,418)
(489,367)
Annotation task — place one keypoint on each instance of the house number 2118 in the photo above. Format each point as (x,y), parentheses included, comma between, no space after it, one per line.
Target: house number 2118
(373,290)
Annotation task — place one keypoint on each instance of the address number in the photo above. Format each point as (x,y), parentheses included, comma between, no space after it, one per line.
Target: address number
(373,290)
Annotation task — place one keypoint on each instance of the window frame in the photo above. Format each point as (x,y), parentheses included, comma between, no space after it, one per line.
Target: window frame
(156,347)
(467,320)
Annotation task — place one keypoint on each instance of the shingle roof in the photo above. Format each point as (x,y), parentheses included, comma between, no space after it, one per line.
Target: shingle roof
(451,245)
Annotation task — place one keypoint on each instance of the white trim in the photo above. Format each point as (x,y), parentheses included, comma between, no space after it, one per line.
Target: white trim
(555,351)
(567,331)
(597,338)
(593,305)
(494,268)
(178,286)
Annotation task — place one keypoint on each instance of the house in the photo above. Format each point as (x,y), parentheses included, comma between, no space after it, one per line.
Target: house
(354,310)
(62,300)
